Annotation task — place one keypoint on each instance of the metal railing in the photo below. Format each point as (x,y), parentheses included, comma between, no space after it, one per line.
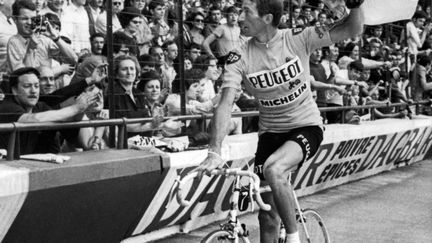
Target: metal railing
(16,127)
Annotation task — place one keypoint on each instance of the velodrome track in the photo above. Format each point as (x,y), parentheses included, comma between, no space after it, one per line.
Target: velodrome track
(394,206)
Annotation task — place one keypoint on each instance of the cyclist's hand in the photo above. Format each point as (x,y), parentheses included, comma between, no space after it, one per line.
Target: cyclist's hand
(212,162)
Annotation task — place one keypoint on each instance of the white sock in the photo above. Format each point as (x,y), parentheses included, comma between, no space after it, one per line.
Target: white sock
(293,238)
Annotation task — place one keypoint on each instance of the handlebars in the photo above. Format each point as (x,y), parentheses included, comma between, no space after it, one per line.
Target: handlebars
(255,185)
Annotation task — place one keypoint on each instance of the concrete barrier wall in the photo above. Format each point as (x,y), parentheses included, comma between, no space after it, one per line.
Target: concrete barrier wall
(107,196)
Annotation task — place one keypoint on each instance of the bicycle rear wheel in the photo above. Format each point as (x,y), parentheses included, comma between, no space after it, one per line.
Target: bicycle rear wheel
(315,227)
(220,236)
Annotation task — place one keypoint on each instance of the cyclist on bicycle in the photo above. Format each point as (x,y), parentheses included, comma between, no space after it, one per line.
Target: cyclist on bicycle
(274,66)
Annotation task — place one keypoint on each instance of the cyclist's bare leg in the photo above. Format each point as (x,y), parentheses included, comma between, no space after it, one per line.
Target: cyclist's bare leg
(269,220)
(276,171)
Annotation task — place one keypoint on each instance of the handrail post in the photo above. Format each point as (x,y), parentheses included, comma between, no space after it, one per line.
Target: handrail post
(204,123)
(11,145)
(343,117)
(121,134)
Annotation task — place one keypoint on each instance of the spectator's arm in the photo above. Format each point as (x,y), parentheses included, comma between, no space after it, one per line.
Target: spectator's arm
(207,42)
(380,115)
(66,54)
(323,86)
(343,81)
(372,64)
(68,113)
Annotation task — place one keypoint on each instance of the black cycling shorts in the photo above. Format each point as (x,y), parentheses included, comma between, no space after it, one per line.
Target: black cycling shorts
(309,138)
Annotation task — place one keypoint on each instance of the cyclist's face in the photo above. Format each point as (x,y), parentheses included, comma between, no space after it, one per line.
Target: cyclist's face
(251,24)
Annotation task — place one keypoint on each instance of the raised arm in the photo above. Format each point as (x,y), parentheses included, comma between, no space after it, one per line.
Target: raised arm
(350,27)
(81,104)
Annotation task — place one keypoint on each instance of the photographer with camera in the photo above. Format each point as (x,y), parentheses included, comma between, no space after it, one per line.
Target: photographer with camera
(30,48)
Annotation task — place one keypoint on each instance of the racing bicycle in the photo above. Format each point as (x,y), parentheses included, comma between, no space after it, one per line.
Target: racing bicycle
(310,224)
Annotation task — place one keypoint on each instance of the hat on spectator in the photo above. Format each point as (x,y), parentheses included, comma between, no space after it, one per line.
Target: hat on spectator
(85,69)
(127,14)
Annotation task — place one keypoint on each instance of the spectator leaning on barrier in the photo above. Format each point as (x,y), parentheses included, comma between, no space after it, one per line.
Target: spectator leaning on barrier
(418,82)
(29,48)
(54,97)
(150,87)
(25,107)
(208,64)
(344,77)
(320,82)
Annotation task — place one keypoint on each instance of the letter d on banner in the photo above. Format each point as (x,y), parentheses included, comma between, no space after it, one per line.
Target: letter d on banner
(386,11)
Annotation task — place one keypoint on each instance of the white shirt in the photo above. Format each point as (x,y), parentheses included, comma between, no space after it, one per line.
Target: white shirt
(101,23)
(75,26)
(8,29)
(414,41)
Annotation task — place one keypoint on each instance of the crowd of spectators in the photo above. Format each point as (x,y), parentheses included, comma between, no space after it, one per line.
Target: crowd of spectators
(53,62)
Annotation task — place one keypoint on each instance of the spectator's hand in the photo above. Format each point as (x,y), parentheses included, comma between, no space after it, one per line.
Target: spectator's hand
(333,70)
(339,89)
(85,101)
(33,42)
(362,84)
(66,69)
(387,64)
(157,121)
(172,123)
(402,114)
(102,115)
(164,94)
(410,101)
(99,74)
(51,31)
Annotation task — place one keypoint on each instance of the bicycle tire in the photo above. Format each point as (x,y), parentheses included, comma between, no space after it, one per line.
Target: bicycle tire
(315,226)
(219,236)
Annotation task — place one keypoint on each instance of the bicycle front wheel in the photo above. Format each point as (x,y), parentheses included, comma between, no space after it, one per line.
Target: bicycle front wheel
(219,236)
(315,227)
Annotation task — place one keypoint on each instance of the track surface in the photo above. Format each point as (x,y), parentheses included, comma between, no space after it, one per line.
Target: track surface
(394,206)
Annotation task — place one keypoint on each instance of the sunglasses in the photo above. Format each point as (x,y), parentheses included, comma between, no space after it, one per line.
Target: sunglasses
(136,21)
(199,20)
(117,3)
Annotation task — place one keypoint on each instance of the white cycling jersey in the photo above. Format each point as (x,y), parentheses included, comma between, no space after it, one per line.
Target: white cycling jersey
(277,74)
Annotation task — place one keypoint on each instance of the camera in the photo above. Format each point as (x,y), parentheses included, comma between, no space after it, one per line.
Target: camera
(39,22)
